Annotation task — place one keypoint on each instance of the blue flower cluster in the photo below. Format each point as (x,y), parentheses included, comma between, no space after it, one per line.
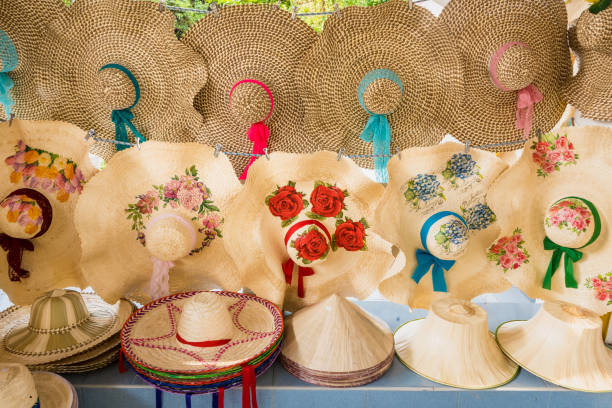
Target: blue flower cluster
(426,186)
(479,216)
(456,232)
(462,165)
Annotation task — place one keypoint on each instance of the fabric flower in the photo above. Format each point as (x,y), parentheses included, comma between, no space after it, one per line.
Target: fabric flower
(171,189)
(327,201)
(505,261)
(286,203)
(350,235)
(212,221)
(190,199)
(462,165)
(311,245)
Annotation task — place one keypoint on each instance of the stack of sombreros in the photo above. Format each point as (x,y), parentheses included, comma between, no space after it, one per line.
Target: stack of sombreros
(121,72)
(203,342)
(379,79)
(250,102)
(554,245)
(515,61)
(435,209)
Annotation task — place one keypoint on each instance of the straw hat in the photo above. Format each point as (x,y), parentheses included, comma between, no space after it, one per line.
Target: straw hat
(44,166)
(54,390)
(155,210)
(134,35)
(21,389)
(554,242)
(575,9)
(589,90)
(301,230)
(516,59)
(562,344)
(398,42)
(435,210)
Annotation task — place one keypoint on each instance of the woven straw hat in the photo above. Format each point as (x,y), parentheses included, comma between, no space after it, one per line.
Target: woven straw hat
(155,210)
(391,37)
(554,243)
(575,9)
(515,53)
(436,203)
(54,390)
(298,238)
(17,387)
(42,170)
(137,36)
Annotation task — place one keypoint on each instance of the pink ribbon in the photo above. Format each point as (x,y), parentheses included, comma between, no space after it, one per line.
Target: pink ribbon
(158,285)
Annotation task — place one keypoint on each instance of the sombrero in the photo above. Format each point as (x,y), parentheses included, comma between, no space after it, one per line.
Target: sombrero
(378,79)
(516,59)
(121,66)
(301,230)
(435,209)
(250,101)
(44,167)
(19,388)
(153,219)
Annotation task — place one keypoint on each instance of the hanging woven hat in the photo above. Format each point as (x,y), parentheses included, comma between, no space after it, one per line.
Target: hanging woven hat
(435,210)
(300,230)
(19,388)
(250,101)
(43,169)
(378,78)
(121,66)
(153,220)
(554,243)
(516,59)
(575,9)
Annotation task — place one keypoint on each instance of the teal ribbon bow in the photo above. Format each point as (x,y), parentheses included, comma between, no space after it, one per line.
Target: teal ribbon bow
(9,60)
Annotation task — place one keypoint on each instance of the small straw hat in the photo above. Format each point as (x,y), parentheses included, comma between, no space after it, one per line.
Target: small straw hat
(43,168)
(301,230)
(554,243)
(19,388)
(250,101)
(516,59)
(152,222)
(134,35)
(435,210)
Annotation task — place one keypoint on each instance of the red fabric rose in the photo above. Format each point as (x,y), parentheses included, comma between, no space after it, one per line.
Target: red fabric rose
(311,246)
(327,201)
(286,204)
(350,235)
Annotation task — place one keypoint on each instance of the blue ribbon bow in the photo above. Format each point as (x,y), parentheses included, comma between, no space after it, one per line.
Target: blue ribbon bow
(9,60)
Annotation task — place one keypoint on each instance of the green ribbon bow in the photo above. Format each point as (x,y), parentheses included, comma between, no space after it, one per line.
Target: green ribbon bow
(598,6)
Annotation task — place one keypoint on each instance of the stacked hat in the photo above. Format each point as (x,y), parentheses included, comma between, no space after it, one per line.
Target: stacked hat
(19,388)
(203,342)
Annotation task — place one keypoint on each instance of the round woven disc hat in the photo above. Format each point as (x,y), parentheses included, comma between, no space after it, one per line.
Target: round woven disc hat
(152,222)
(139,38)
(398,55)
(554,243)
(301,230)
(435,210)
(516,59)
(43,168)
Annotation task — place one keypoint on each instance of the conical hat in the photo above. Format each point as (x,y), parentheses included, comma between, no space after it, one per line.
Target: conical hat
(43,170)
(160,206)
(567,175)
(512,50)
(431,189)
(137,36)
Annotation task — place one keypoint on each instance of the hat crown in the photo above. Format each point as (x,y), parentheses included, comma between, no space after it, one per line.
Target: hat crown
(382,96)
(447,238)
(58,310)
(569,222)
(516,67)
(205,317)
(17,387)
(595,30)
(116,89)
(308,243)
(250,103)
(20,216)
(170,237)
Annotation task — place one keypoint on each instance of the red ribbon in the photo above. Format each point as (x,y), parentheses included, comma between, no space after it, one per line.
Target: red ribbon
(120,365)
(210,343)
(249,387)
(527,97)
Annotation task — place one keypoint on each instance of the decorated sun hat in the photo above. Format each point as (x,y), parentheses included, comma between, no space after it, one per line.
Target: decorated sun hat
(435,209)
(364,81)
(121,66)
(20,388)
(250,101)
(516,59)
(153,219)
(43,169)
(300,230)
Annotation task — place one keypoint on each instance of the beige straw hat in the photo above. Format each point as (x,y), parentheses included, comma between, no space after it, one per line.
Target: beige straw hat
(417,78)
(54,390)
(301,230)
(43,168)
(516,58)
(435,210)
(575,9)
(137,36)
(554,242)
(152,222)
(17,387)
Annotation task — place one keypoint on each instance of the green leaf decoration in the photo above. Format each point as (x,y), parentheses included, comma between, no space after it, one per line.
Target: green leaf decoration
(340,215)
(193,170)
(409,195)
(346,193)
(599,6)
(314,216)
(318,183)
(268,199)
(334,245)
(290,183)
(218,232)
(447,174)
(364,222)
(288,222)
(306,261)
(440,238)
(305,203)
(339,221)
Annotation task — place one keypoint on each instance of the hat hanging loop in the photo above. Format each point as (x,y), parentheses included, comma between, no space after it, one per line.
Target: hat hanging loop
(162,5)
(217,150)
(9,59)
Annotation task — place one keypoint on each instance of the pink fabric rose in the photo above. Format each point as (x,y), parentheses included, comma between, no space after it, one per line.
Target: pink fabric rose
(171,188)
(517,238)
(520,256)
(579,224)
(554,156)
(601,294)
(212,221)
(568,156)
(542,147)
(505,261)
(548,167)
(511,248)
(597,283)
(608,285)
(190,199)
(538,157)
(562,143)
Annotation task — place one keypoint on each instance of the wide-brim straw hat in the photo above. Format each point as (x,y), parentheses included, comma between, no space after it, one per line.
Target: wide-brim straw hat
(136,35)
(52,159)
(411,43)
(278,196)
(561,344)
(428,181)
(487,114)
(20,388)
(572,164)
(254,42)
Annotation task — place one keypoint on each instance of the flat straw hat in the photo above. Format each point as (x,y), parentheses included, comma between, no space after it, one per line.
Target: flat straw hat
(516,59)
(435,210)
(54,390)
(301,230)
(134,35)
(386,63)
(154,221)
(554,242)
(252,52)
(43,169)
